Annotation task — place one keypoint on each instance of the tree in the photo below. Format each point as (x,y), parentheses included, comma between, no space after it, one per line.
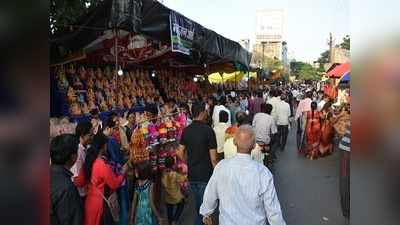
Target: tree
(304,71)
(324,58)
(64,13)
(345,43)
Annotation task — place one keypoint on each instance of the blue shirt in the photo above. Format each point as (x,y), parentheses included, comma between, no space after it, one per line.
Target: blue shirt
(246,193)
(114,151)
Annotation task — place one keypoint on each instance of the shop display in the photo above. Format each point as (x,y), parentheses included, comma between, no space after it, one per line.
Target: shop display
(154,141)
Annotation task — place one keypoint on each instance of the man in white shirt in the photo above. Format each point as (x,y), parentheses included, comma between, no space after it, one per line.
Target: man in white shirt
(244,188)
(283,112)
(274,101)
(264,125)
(219,107)
(84,130)
(219,130)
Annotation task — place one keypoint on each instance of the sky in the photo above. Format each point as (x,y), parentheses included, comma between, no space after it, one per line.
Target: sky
(309,22)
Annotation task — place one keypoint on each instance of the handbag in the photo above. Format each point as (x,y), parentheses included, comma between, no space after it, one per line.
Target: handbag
(112,207)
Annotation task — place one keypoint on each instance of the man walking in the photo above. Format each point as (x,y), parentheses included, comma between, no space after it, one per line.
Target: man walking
(255,106)
(198,147)
(83,131)
(283,114)
(66,205)
(218,108)
(304,106)
(245,188)
(219,130)
(264,126)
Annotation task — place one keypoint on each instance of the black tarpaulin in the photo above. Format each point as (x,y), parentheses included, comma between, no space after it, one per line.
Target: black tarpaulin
(150,18)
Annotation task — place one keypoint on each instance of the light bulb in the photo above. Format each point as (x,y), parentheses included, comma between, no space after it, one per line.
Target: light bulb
(195,79)
(120,72)
(153,74)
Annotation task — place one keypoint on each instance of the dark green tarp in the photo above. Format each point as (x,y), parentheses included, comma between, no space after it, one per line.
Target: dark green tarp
(150,18)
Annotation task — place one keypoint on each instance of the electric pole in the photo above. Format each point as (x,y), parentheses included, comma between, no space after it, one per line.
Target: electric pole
(330,47)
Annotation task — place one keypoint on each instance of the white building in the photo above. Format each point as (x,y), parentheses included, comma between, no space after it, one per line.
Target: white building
(270,32)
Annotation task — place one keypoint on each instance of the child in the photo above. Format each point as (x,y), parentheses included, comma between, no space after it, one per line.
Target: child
(174,198)
(144,211)
(182,169)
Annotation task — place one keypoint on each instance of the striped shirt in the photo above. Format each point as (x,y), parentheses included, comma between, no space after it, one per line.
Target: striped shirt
(345,142)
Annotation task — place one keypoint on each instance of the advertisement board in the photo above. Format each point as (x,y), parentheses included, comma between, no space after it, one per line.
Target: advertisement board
(270,25)
(182,33)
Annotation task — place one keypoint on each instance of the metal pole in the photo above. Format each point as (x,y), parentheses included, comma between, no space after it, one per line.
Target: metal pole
(116,55)
(263,55)
(235,82)
(248,80)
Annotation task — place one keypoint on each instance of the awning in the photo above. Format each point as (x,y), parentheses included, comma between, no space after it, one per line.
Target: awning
(345,77)
(143,18)
(238,75)
(339,70)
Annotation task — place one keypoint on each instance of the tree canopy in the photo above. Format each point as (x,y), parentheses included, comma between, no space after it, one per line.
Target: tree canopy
(304,71)
(64,13)
(345,43)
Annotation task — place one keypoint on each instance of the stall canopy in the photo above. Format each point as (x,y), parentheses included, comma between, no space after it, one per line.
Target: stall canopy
(345,77)
(339,70)
(235,76)
(144,30)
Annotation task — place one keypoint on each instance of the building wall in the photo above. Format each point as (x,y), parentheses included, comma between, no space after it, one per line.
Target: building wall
(340,55)
(270,25)
(270,33)
(271,50)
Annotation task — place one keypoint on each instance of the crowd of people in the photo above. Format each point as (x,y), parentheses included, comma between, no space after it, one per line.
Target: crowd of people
(91,169)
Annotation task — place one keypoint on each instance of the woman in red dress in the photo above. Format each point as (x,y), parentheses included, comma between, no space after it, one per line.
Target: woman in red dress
(327,130)
(313,131)
(96,175)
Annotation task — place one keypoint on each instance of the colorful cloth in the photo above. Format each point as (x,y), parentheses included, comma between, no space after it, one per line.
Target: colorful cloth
(313,132)
(144,213)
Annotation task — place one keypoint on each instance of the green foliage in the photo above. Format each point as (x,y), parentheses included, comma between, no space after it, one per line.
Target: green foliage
(324,58)
(65,12)
(345,43)
(304,71)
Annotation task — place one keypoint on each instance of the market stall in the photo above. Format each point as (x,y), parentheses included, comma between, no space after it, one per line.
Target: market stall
(123,40)
(135,32)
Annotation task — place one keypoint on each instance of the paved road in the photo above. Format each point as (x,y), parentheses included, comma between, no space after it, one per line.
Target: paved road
(308,190)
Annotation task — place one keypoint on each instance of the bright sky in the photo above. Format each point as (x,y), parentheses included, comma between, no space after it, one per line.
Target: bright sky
(308,21)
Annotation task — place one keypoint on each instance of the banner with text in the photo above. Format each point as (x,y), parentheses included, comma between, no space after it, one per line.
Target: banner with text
(182,33)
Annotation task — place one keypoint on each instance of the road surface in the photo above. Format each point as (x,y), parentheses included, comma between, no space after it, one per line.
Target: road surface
(308,190)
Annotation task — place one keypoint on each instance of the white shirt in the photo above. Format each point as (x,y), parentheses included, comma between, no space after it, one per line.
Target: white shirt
(215,116)
(283,113)
(264,125)
(320,105)
(76,168)
(304,106)
(274,101)
(219,130)
(246,193)
(295,93)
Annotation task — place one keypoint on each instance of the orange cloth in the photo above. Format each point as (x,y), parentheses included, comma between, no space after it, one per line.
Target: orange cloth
(102,174)
(313,130)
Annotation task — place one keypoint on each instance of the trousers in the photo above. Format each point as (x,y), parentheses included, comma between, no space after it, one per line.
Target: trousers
(283,131)
(198,189)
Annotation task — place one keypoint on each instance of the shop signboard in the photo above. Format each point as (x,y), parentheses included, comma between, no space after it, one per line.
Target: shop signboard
(182,33)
